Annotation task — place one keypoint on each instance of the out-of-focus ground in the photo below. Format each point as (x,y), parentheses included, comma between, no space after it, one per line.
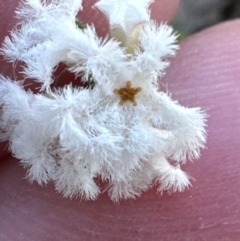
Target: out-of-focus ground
(195,15)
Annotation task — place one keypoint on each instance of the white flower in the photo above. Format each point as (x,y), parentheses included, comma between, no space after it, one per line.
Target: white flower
(126,19)
(125,13)
(123,130)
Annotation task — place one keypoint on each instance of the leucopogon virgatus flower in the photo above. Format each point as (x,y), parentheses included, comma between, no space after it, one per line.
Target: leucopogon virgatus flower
(122,130)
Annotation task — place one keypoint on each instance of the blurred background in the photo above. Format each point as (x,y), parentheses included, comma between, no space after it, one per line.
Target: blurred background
(195,15)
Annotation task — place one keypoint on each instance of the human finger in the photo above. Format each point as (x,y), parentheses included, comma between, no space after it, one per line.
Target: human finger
(202,74)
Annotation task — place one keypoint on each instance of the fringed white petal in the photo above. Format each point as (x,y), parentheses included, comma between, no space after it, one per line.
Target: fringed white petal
(185,128)
(156,43)
(40,44)
(131,184)
(15,106)
(73,179)
(171,178)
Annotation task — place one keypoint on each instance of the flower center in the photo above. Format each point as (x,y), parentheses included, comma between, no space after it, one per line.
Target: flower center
(127,93)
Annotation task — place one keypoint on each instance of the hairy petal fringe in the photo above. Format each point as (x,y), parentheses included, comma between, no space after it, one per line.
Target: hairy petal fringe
(171,178)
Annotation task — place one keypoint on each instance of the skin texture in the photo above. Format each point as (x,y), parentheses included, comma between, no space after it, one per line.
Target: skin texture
(206,73)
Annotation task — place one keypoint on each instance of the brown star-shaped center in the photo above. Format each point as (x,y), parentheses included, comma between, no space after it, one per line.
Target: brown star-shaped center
(127,93)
